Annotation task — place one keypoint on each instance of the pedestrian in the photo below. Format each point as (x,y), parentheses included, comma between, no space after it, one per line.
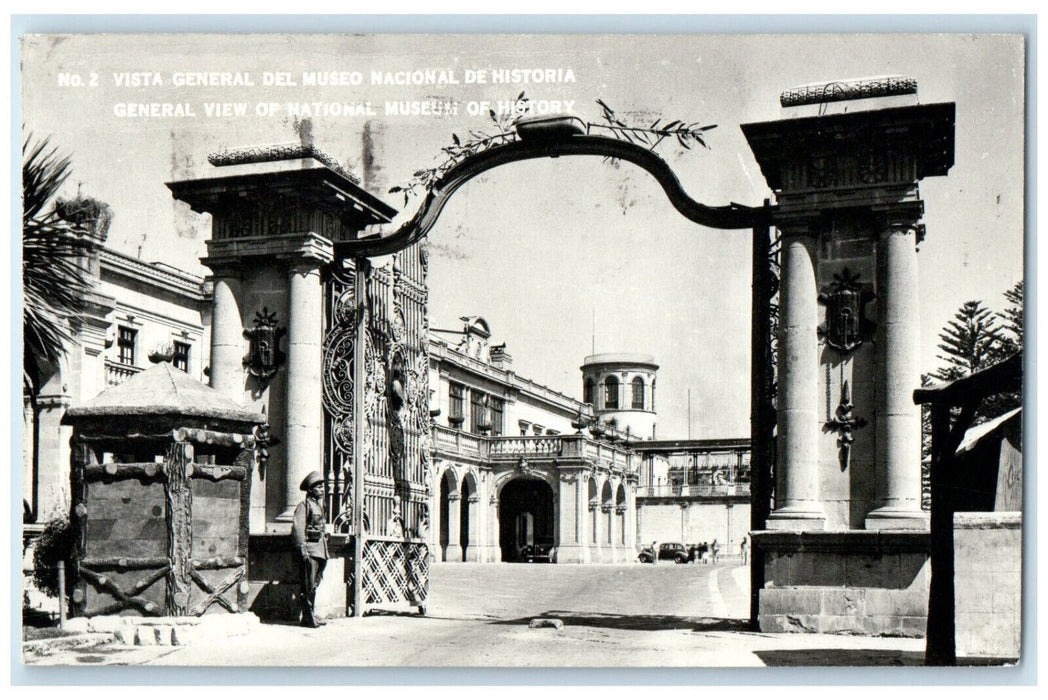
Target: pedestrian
(744,549)
(704,549)
(307,530)
(654,552)
(715,550)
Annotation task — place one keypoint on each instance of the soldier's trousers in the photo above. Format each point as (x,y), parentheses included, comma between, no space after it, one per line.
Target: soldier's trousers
(312,572)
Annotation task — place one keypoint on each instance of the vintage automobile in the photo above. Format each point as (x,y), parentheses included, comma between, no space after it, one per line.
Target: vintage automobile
(674,551)
(539,553)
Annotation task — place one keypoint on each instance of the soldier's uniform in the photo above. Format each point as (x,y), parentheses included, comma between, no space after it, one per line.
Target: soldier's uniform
(307,530)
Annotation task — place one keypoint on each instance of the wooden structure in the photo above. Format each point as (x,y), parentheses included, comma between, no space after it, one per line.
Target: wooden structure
(949,493)
(161,472)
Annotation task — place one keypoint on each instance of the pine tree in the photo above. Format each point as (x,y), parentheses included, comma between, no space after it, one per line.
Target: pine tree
(970,342)
(1012,320)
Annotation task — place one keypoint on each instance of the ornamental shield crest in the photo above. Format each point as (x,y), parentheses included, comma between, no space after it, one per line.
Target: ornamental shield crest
(264,355)
(845,301)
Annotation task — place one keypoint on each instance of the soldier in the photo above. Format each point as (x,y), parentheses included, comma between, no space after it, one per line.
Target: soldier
(307,530)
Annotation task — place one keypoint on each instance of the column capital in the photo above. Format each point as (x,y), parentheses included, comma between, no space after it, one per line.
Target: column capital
(791,225)
(223,267)
(899,215)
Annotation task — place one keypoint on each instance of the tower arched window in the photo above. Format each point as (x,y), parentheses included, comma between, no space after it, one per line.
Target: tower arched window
(638,392)
(587,391)
(611,392)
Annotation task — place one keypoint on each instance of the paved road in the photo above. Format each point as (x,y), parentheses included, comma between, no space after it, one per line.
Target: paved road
(513,591)
(614,616)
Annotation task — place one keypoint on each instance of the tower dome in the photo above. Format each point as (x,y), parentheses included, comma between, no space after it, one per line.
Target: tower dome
(621,388)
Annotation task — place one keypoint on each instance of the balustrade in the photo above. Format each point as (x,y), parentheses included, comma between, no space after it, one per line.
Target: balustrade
(502,447)
(117,373)
(701,490)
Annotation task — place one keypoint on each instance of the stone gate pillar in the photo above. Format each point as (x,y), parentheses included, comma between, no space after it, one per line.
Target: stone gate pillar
(846,545)
(275,213)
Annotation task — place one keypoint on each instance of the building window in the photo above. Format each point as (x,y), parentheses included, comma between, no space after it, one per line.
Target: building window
(587,391)
(180,356)
(611,392)
(525,426)
(638,392)
(457,393)
(478,418)
(125,344)
(497,410)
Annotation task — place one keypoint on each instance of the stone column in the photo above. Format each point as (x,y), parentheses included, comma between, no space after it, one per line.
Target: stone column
(797,504)
(454,549)
(593,507)
(495,548)
(582,509)
(571,526)
(227,335)
(898,421)
(304,411)
(473,528)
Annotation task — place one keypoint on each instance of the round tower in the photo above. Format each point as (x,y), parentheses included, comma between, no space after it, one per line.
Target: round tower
(621,388)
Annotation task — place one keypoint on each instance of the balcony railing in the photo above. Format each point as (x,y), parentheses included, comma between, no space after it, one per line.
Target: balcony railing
(117,373)
(701,490)
(501,448)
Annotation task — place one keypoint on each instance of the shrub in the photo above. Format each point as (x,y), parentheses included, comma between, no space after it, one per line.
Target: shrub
(53,547)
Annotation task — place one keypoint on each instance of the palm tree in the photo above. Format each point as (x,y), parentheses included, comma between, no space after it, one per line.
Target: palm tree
(56,242)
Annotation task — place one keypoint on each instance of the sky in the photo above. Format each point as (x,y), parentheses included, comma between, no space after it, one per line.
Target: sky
(566,256)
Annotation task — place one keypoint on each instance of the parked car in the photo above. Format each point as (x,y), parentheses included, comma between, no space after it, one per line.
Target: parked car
(673,551)
(539,553)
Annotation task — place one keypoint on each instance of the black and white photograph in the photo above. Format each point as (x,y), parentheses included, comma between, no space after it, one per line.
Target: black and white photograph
(522,351)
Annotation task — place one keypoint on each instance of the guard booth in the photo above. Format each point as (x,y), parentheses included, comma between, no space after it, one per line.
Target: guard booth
(161,474)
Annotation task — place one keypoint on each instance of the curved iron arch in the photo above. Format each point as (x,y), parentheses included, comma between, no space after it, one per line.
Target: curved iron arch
(732,216)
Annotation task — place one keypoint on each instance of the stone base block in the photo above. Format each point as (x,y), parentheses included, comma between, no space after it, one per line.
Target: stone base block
(796,519)
(166,631)
(896,519)
(274,583)
(850,582)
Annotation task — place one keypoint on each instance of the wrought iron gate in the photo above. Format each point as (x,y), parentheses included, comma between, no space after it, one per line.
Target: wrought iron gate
(376,366)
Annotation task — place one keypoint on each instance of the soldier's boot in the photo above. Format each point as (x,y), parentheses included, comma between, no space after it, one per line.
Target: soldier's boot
(309,618)
(309,614)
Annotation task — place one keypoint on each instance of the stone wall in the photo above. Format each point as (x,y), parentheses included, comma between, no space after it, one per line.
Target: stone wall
(854,582)
(988,584)
(274,580)
(661,520)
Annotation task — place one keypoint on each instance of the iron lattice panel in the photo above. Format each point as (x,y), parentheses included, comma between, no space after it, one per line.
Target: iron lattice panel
(395,572)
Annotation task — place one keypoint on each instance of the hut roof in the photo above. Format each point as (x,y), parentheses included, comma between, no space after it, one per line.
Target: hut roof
(987,430)
(164,390)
